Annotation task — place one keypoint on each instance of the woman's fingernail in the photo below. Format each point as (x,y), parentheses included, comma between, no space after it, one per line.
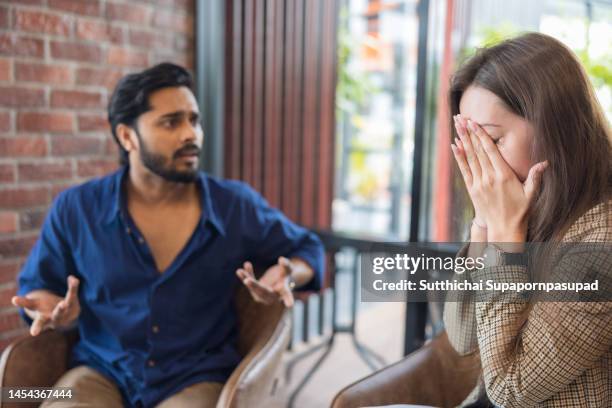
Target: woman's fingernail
(470,124)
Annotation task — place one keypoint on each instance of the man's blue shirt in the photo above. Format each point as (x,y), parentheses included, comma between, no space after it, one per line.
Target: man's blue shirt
(156,333)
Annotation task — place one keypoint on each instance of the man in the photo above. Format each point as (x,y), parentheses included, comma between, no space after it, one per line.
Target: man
(143,260)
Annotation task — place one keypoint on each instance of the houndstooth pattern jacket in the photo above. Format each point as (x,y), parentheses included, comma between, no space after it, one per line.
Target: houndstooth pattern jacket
(561,356)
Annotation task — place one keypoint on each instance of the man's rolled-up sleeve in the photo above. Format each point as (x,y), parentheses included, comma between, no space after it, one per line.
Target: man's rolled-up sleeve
(270,234)
(50,261)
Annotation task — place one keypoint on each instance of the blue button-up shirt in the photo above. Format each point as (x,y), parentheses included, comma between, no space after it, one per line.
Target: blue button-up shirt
(153,333)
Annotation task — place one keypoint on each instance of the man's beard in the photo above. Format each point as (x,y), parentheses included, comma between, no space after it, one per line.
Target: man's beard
(156,163)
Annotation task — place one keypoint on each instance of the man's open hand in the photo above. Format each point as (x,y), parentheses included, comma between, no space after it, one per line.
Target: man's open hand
(273,286)
(48,310)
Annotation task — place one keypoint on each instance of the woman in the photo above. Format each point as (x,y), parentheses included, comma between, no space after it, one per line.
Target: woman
(534,150)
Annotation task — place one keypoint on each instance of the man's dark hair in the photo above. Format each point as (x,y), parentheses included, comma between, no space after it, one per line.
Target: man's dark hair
(130,98)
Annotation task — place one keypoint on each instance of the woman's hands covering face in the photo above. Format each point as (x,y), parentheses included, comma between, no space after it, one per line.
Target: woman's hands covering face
(500,199)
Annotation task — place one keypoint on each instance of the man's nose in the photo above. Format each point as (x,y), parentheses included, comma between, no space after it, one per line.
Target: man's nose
(189,133)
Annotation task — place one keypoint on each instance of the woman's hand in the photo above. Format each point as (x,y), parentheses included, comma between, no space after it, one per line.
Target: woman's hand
(496,192)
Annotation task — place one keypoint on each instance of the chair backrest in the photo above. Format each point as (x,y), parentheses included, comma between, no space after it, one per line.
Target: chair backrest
(256,321)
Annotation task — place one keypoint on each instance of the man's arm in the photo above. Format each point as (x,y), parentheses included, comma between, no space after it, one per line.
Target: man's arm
(46,293)
(271,237)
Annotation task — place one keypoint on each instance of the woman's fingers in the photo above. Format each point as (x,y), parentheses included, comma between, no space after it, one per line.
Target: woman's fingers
(483,157)
(462,163)
(468,148)
(534,179)
(494,156)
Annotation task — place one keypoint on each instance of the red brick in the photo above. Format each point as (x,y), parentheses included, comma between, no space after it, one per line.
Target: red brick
(24,2)
(84,7)
(76,51)
(10,290)
(89,123)
(15,197)
(5,122)
(4,20)
(31,220)
(5,69)
(44,171)
(41,22)
(132,13)
(75,145)
(13,44)
(96,168)
(8,222)
(98,76)
(23,147)
(7,173)
(127,58)
(76,99)
(58,188)
(185,60)
(143,39)
(164,39)
(111,148)
(17,97)
(45,73)
(10,321)
(182,23)
(9,270)
(99,31)
(182,43)
(44,122)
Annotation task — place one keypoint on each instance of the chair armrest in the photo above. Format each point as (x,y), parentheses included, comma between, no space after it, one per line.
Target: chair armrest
(433,375)
(255,379)
(37,361)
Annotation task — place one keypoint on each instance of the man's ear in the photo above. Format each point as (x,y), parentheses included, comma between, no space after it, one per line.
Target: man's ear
(127,137)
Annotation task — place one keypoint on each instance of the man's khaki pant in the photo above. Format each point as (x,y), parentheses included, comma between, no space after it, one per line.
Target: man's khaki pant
(92,390)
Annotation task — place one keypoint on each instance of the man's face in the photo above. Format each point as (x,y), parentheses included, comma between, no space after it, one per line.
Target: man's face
(170,135)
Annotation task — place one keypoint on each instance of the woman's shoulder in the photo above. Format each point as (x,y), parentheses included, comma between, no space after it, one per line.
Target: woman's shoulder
(595,225)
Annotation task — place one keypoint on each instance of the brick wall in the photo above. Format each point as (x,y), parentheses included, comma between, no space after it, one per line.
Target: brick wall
(59,61)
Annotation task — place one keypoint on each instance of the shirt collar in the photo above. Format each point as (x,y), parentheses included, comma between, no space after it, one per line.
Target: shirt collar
(117,200)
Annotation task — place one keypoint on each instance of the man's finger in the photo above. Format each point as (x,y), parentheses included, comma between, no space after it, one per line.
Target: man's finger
(259,291)
(285,264)
(59,311)
(38,324)
(73,290)
(248,268)
(286,295)
(21,301)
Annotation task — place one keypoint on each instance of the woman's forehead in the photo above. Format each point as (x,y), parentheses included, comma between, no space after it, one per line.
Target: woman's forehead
(483,106)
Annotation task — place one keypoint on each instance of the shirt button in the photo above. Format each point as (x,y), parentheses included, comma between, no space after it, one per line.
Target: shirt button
(140,240)
(155,329)
(128,230)
(151,363)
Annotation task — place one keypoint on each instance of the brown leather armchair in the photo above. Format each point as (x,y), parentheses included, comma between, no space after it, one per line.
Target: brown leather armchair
(433,375)
(264,333)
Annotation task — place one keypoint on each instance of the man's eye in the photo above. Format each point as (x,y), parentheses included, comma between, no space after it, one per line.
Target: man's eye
(169,123)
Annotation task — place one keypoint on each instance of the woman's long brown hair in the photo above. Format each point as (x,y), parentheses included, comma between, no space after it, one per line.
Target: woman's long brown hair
(541,80)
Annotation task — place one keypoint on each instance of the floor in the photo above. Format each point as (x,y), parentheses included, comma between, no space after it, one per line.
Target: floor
(379,327)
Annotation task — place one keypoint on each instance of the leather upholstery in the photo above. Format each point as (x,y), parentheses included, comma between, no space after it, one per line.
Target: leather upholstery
(433,375)
(264,333)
